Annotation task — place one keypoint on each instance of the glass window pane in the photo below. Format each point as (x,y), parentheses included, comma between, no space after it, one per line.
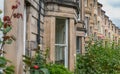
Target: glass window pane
(60,31)
(86,3)
(61,44)
(78,44)
(59,55)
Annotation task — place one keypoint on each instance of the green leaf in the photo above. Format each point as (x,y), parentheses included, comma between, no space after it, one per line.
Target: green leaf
(6,30)
(0,11)
(1,23)
(9,41)
(9,69)
(3,62)
(1,41)
(45,70)
(27,60)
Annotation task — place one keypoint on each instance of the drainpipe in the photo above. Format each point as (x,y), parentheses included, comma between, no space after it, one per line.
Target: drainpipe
(38,24)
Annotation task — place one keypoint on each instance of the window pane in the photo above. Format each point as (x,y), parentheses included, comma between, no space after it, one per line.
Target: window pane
(59,55)
(60,31)
(61,44)
(78,44)
(86,3)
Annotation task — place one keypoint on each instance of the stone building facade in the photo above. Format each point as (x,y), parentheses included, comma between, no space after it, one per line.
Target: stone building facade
(27,31)
(63,26)
(63,29)
(98,24)
(54,24)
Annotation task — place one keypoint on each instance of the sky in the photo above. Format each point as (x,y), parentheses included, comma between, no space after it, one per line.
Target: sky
(1,15)
(1,6)
(112,8)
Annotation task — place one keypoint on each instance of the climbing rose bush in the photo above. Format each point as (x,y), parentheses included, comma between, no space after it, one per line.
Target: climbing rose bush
(5,28)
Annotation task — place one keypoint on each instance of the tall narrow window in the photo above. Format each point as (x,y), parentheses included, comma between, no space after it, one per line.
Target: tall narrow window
(105,32)
(99,11)
(87,24)
(95,36)
(102,30)
(61,42)
(113,38)
(99,27)
(86,3)
(78,45)
(79,13)
(109,35)
(105,21)
(115,30)
(95,19)
(91,30)
(112,28)
(94,3)
(109,25)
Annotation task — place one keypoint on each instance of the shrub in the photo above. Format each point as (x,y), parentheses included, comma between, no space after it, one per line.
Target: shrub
(99,59)
(37,61)
(57,69)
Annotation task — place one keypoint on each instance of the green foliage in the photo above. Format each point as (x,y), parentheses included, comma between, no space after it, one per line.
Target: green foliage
(57,69)
(1,23)
(45,70)
(3,65)
(38,60)
(7,69)
(0,11)
(3,62)
(6,30)
(31,61)
(99,59)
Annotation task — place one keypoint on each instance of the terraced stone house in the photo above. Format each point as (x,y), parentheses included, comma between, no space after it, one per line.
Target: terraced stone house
(98,24)
(63,26)
(54,24)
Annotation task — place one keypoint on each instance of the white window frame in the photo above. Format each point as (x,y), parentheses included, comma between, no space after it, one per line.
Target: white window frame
(24,32)
(79,18)
(66,44)
(86,3)
(78,50)
(86,24)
